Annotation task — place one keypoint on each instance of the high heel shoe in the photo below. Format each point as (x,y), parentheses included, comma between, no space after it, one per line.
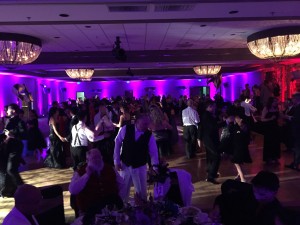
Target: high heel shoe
(237,178)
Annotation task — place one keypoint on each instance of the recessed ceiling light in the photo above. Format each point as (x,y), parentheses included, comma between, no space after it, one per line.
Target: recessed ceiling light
(233,12)
(64,15)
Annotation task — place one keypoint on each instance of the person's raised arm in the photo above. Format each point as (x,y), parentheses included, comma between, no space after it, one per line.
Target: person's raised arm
(91,136)
(122,118)
(118,144)
(78,183)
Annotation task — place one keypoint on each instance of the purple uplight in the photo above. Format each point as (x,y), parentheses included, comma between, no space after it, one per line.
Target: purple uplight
(135,86)
(8,80)
(235,83)
(161,87)
(139,88)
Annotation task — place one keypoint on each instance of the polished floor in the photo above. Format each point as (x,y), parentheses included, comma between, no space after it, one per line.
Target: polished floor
(204,194)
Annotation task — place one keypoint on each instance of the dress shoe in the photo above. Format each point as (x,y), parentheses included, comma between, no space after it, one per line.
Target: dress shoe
(237,178)
(291,166)
(191,156)
(218,175)
(213,181)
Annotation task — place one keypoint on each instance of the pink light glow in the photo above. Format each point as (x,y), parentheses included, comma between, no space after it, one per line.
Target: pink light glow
(108,88)
(135,86)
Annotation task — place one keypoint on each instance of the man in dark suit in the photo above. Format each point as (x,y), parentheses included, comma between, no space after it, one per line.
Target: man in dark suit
(14,123)
(286,128)
(11,158)
(209,134)
(252,204)
(295,127)
(72,121)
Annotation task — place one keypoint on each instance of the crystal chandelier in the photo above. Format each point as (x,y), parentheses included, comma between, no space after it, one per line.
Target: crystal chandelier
(80,74)
(207,69)
(275,43)
(18,49)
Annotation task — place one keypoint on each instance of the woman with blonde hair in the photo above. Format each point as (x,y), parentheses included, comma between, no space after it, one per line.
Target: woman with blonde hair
(161,129)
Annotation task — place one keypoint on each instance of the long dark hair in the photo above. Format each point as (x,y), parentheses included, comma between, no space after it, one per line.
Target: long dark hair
(52,112)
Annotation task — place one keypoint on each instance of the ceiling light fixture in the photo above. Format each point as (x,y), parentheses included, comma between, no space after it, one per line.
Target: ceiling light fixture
(207,69)
(18,49)
(275,43)
(80,74)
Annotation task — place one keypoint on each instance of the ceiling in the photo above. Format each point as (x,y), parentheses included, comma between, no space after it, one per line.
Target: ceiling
(162,39)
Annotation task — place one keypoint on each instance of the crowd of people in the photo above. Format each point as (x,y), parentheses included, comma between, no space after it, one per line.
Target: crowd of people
(114,143)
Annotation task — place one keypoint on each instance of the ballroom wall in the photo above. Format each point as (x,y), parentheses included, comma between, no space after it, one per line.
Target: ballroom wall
(7,80)
(45,91)
(233,84)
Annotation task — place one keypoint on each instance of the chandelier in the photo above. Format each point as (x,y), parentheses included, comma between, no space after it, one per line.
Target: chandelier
(80,74)
(275,43)
(18,49)
(207,69)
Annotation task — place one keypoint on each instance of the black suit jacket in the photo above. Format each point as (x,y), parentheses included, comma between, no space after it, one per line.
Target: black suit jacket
(295,123)
(73,121)
(17,126)
(209,132)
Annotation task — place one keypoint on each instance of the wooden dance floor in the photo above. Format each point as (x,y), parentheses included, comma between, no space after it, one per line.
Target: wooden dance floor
(204,194)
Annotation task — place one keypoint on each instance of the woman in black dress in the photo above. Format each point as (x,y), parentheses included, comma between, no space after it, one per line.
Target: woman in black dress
(241,139)
(36,141)
(226,138)
(55,157)
(269,117)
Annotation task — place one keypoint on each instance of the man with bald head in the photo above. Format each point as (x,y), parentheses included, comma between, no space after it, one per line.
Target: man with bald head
(27,202)
(135,146)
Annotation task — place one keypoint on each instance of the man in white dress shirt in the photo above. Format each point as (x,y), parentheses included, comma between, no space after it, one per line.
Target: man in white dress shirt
(81,135)
(190,118)
(134,145)
(27,203)
(249,109)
